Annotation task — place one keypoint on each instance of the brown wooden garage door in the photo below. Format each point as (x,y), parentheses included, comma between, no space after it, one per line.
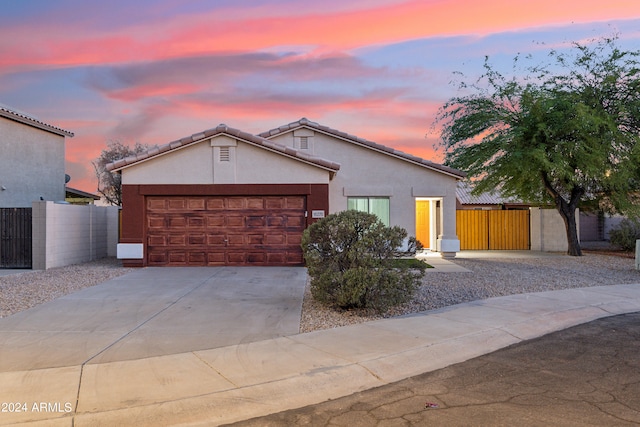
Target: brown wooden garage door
(223,230)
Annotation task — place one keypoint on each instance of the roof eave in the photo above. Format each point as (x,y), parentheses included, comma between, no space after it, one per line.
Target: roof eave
(122,164)
(370,145)
(34,123)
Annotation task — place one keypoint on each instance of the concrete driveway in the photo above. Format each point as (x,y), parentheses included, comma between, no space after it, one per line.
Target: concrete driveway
(155,312)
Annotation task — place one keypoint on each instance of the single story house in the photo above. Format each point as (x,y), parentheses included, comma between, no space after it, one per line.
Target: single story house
(228,197)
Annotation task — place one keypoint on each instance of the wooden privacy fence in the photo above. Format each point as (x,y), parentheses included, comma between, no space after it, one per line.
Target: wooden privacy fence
(493,229)
(15,238)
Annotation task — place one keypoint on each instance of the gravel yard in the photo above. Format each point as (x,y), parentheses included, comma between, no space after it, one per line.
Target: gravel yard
(24,290)
(489,277)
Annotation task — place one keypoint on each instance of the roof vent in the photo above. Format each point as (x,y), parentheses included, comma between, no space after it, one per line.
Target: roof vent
(225,154)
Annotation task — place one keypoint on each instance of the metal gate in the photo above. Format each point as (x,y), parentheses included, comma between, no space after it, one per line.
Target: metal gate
(493,229)
(15,238)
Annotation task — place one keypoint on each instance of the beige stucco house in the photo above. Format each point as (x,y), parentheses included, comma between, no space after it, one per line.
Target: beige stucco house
(227,197)
(32,161)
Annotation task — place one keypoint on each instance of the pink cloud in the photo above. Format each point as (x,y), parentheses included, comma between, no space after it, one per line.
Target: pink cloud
(206,33)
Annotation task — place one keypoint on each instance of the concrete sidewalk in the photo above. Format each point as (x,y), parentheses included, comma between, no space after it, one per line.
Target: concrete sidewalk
(222,385)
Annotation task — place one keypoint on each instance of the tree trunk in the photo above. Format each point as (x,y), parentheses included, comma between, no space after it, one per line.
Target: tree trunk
(568,213)
(569,217)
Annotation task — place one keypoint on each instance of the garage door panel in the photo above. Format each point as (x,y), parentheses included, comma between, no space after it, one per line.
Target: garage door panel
(295,222)
(276,221)
(158,258)
(256,239)
(156,222)
(216,257)
(174,221)
(177,240)
(294,203)
(213,221)
(157,204)
(235,239)
(294,257)
(196,204)
(255,203)
(275,239)
(216,239)
(277,257)
(177,203)
(255,221)
(235,221)
(197,258)
(177,257)
(196,221)
(275,203)
(294,239)
(157,240)
(197,239)
(236,203)
(213,230)
(256,257)
(214,203)
(236,257)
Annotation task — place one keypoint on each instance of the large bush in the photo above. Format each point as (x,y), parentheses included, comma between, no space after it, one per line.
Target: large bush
(350,260)
(625,235)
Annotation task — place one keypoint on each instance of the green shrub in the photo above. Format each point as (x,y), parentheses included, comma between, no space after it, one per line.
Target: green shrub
(350,259)
(625,235)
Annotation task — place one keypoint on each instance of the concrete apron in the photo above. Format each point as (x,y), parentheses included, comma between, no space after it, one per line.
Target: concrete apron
(155,312)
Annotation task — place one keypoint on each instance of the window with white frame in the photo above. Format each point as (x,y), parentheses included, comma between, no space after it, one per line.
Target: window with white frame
(375,205)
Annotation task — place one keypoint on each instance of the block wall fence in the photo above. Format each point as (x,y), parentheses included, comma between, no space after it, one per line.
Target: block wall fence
(548,233)
(66,234)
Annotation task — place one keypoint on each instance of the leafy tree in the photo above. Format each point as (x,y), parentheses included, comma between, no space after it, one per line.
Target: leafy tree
(565,133)
(109,183)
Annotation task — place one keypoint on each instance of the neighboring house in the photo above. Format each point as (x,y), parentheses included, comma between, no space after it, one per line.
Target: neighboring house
(79,197)
(32,161)
(227,197)
(31,169)
(485,201)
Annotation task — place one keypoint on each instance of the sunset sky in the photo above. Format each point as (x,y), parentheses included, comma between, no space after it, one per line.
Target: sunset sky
(153,71)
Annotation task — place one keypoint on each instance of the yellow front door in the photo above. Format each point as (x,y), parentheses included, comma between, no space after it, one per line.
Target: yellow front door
(423,208)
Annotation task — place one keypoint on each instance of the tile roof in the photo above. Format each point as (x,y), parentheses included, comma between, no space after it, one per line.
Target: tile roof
(304,122)
(464,196)
(74,192)
(32,121)
(220,130)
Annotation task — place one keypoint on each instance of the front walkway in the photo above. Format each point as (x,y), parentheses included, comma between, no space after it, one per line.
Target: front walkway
(442,265)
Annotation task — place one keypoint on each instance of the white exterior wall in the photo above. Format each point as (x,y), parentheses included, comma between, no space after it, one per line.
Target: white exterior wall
(364,172)
(31,165)
(70,234)
(199,164)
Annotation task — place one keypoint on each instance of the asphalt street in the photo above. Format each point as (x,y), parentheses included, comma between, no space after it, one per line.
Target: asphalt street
(588,375)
